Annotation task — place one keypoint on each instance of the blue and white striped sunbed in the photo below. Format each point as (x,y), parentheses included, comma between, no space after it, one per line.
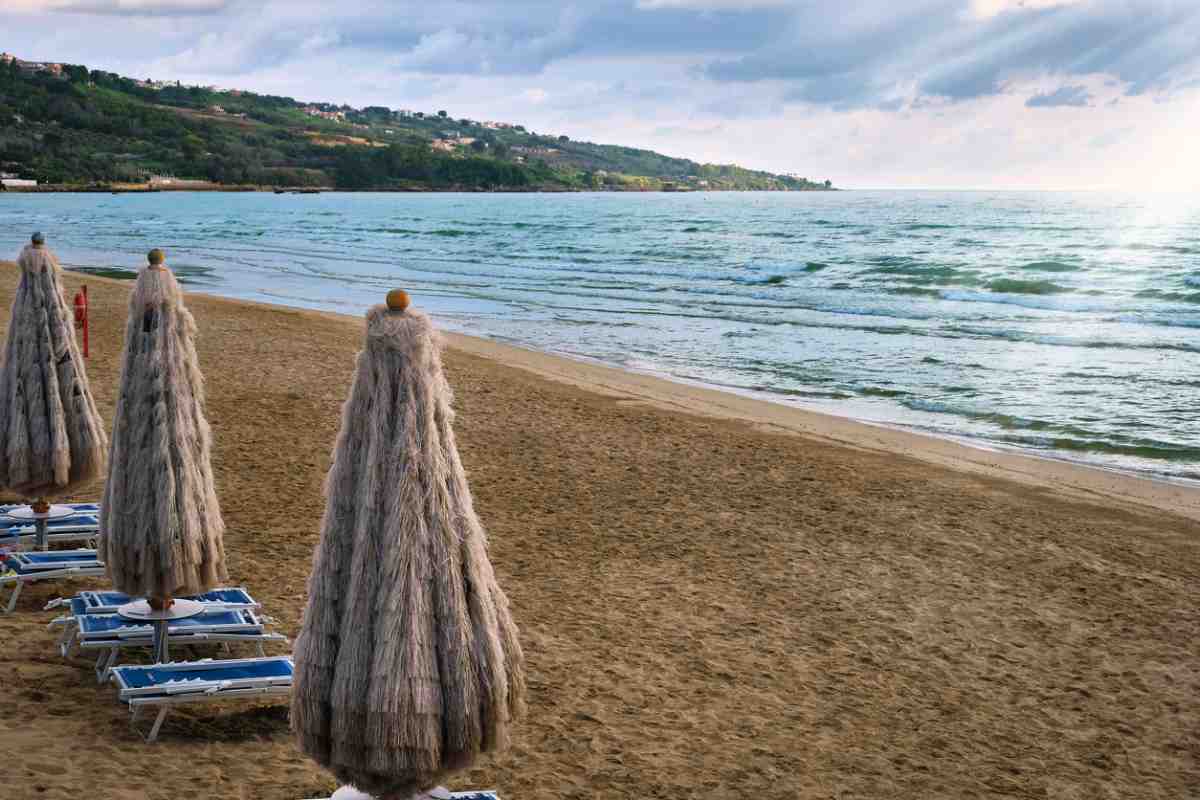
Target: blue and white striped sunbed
(110,633)
(164,685)
(22,568)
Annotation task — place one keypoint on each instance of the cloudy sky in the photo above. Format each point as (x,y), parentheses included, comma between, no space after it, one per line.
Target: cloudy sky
(870,93)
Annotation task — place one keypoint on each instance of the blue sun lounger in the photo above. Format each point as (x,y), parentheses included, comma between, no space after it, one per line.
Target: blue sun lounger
(88,509)
(110,634)
(160,686)
(107,601)
(22,568)
(81,508)
(83,528)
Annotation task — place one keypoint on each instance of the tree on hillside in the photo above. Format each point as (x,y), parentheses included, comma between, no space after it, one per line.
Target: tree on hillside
(442,114)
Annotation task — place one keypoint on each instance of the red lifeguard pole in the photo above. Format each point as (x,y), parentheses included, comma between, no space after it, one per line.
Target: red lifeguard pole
(81,315)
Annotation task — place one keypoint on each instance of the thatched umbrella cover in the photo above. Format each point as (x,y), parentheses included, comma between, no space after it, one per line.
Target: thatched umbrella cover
(51,435)
(160,522)
(408,663)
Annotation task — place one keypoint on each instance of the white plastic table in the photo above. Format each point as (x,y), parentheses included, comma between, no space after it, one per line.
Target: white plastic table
(40,520)
(140,611)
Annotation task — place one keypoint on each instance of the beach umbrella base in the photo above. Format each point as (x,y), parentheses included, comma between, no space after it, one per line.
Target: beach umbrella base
(40,520)
(140,611)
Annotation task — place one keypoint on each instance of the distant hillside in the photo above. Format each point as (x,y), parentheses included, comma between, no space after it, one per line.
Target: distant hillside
(68,125)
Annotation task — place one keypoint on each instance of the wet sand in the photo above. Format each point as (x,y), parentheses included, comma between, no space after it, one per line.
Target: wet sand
(719,597)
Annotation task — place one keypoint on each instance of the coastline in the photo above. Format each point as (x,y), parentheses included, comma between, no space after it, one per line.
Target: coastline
(713,602)
(268,189)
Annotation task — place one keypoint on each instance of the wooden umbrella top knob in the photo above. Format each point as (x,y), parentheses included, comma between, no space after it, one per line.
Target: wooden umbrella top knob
(156,257)
(397,300)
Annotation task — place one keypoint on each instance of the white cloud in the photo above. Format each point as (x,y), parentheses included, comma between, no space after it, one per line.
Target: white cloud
(985,9)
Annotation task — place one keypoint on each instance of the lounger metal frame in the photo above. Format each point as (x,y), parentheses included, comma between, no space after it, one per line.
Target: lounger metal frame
(173,693)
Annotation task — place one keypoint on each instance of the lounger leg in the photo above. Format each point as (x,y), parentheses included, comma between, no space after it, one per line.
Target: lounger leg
(162,714)
(12,601)
(63,638)
(104,663)
(261,653)
(68,641)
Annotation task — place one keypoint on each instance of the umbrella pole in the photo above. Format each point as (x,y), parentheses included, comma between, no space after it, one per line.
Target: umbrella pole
(162,650)
(41,525)
(162,654)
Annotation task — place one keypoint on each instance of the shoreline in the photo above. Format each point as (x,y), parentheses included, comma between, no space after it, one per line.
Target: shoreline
(1078,480)
(1073,478)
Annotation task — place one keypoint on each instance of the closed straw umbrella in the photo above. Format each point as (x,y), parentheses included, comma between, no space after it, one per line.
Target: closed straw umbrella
(408,664)
(160,522)
(51,435)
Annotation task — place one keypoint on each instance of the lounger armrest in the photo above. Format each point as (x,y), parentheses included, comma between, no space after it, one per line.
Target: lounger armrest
(219,607)
(139,632)
(214,687)
(191,687)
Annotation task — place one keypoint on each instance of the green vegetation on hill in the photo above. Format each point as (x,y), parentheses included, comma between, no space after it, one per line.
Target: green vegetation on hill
(88,127)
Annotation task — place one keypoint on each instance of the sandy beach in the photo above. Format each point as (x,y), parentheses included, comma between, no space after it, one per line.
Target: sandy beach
(719,597)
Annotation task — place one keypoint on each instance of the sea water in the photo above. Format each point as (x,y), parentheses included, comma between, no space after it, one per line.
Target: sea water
(1064,324)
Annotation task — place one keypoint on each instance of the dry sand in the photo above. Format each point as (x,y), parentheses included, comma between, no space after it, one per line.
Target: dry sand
(719,597)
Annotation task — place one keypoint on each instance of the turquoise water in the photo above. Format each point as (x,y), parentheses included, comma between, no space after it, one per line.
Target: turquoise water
(1066,324)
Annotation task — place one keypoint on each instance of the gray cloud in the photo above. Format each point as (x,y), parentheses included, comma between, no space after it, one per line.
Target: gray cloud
(942,51)
(1063,96)
(868,54)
